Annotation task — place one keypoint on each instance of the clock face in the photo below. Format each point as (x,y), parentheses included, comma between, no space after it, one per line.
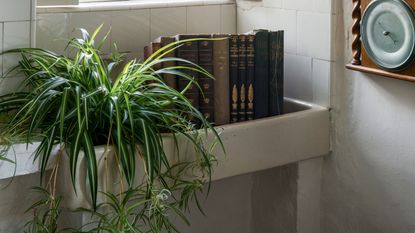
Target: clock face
(388,34)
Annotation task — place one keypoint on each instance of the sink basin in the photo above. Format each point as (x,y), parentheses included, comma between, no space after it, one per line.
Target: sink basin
(301,133)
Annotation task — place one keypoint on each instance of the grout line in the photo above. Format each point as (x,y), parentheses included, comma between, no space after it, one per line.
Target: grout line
(187,15)
(2,49)
(150,20)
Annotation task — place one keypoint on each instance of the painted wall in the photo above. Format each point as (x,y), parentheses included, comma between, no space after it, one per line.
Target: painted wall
(369,181)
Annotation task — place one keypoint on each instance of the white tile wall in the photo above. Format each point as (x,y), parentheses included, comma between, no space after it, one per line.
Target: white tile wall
(15,31)
(15,10)
(203,19)
(321,82)
(15,35)
(297,4)
(91,21)
(52,31)
(314,34)
(272,3)
(128,36)
(168,21)
(298,80)
(131,30)
(1,48)
(308,41)
(228,19)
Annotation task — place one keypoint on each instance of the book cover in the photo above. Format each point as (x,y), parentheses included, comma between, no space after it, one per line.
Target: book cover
(206,102)
(261,63)
(188,51)
(170,79)
(250,76)
(242,78)
(276,73)
(221,95)
(150,49)
(233,77)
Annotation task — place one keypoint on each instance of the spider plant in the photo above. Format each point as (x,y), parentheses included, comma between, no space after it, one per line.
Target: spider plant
(74,103)
(46,212)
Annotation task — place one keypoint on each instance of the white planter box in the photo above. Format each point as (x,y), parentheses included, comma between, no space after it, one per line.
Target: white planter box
(300,134)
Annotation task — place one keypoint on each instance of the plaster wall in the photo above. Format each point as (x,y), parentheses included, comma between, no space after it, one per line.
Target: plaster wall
(369,181)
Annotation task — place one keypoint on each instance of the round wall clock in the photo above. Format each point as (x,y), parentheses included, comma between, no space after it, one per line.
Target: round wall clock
(388,34)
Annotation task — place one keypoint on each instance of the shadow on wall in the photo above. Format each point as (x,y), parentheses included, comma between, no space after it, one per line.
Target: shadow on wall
(369,181)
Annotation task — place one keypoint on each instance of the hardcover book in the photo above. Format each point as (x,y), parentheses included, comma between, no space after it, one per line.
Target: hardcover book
(206,102)
(188,51)
(233,75)
(242,78)
(276,80)
(170,79)
(151,48)
(221,73)
(261,88)
(250,76)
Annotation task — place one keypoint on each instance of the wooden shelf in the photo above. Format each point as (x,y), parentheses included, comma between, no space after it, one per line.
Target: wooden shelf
(381,72)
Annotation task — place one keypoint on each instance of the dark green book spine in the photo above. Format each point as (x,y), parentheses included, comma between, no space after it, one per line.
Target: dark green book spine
(250,77)
(233,79)
(261,88)
(280,72)
(188,51)
(242,78)
(276,75)
(206,102)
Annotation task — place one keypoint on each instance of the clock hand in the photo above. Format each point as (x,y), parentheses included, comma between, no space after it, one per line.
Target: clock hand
(387,33)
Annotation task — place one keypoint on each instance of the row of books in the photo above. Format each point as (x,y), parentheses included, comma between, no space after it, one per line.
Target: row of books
(248,70)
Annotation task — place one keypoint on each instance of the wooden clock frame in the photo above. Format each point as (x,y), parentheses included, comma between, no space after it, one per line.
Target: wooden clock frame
(361,62)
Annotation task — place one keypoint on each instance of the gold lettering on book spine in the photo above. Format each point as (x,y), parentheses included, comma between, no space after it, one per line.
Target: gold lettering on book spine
(251,97)
(234,98)
(242,97)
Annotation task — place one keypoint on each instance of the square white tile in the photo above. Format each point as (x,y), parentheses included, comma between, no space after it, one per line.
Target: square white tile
(323,6)
(252,18)
(15,10)
(272,19)
(304,5)
(228,19)
(11,84)
(321,82)
(272,3)
(52,32)
(281,19)
(16,35)
(298,77)
(168,21)
(91,21)
(203,19)
(314,33)
(130,31)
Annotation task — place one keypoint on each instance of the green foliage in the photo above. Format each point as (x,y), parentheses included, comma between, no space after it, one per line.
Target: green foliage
(75,103)
(46,212)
